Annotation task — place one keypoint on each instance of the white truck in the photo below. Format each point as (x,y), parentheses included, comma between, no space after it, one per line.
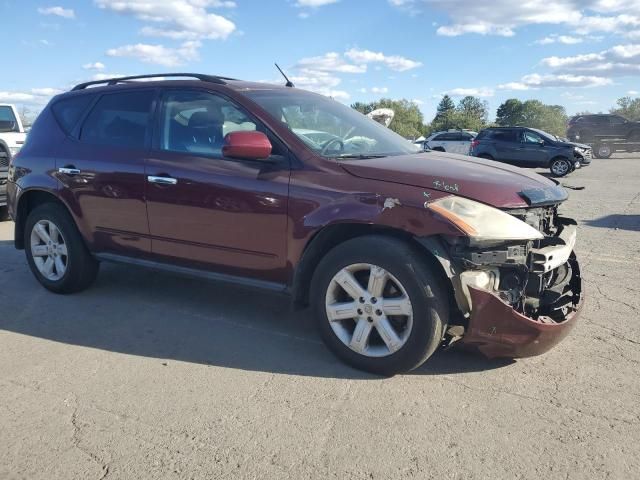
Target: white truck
(12,138)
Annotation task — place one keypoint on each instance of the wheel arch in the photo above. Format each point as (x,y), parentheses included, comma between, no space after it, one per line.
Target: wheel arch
(28,201)
(559,157)
(331,236)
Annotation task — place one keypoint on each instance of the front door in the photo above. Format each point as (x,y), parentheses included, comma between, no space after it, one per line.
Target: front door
(207,210)
(532,151)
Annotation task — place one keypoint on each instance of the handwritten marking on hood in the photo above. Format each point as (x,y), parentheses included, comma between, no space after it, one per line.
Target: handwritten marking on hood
(442,185)
(390,203)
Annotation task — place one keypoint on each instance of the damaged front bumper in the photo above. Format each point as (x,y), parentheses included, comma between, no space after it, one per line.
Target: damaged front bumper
(496,329)
(516,300)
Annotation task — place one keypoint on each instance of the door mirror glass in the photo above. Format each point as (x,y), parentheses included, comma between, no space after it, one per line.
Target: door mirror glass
(247,145)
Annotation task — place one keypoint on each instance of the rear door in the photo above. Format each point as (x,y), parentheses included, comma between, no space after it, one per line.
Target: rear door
(506,144)
(101,170)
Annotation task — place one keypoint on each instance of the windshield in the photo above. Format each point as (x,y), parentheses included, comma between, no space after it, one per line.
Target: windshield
(330,128)
(8,121)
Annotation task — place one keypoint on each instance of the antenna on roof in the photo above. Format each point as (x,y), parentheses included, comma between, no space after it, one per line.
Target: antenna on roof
(289,82)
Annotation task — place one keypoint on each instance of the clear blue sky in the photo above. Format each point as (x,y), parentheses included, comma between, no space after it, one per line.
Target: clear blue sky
(583,54)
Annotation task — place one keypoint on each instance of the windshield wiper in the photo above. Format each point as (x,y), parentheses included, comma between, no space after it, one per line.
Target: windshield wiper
(361,156)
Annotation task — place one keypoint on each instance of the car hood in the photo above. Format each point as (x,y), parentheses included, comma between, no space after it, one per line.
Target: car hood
(573,144)
(496,184)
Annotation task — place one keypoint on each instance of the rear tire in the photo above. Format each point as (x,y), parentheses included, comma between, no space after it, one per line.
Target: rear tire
(418,321)
(439,149)
(560,167)
(56,252)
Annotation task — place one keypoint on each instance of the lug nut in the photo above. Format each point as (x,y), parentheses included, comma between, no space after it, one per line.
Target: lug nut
(359,312)
(369,319)
(361,299)
(374,300)
(378,312)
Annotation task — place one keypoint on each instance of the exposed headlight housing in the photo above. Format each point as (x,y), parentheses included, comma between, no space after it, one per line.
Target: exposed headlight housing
(482,222)
(14,150)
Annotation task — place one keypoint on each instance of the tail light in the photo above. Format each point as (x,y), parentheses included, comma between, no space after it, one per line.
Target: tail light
(474,144)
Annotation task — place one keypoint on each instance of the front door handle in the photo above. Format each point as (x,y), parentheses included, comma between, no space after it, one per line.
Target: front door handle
(162,180)
(69,171)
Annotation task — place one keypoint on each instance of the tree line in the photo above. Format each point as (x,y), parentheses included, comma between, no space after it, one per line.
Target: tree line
(473,113)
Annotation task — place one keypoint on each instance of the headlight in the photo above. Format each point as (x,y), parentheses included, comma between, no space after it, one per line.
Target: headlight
(14,150)
(481,222)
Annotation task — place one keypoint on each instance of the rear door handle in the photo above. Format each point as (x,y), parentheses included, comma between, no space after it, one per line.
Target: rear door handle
(162,180)
(69,171)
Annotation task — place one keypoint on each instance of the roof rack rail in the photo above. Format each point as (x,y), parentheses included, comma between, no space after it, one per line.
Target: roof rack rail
(114,81)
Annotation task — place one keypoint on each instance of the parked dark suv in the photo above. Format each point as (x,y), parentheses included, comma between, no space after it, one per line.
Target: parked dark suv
(589,128)
(530,148)
(397,251)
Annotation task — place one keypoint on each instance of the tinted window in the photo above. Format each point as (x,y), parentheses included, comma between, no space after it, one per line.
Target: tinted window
(504,135)
(617,120)
(441,137)
(120,119)
(69,110)
(7,120)
(197,122)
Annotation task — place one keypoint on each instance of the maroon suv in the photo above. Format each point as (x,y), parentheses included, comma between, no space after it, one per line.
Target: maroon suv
(396,250)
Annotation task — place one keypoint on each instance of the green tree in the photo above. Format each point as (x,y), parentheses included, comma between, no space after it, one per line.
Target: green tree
(510,113)
(445,116)
(533,114)
(408,120)
(628,107)
(472,113)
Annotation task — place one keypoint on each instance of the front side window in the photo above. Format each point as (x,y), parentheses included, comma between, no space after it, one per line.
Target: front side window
(8,122)
(615,121)
(530,137)
(330,128)
(119,119)
(197,122)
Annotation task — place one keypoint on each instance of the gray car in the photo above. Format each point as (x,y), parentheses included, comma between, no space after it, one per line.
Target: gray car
(530,148)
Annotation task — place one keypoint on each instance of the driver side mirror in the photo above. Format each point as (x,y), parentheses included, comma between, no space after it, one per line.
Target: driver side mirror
(250,145)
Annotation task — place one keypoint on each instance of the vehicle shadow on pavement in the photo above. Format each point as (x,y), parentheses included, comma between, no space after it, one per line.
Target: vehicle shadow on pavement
(618,221)
(140,312)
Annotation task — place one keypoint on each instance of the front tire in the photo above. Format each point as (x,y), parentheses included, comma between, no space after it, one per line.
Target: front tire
(603,151)
(378,305)
(560,167)
(56,252)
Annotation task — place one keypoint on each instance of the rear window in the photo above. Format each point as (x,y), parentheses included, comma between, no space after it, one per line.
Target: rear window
(8,121)
(119,119)
(68,111)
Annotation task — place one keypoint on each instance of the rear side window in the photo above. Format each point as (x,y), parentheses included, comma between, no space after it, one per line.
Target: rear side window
(119,119)
(448,137)
(504,136)
(68,111)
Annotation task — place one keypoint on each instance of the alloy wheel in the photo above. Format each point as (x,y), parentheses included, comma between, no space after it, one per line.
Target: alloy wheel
(560,167)
(369,310)
(49,250)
